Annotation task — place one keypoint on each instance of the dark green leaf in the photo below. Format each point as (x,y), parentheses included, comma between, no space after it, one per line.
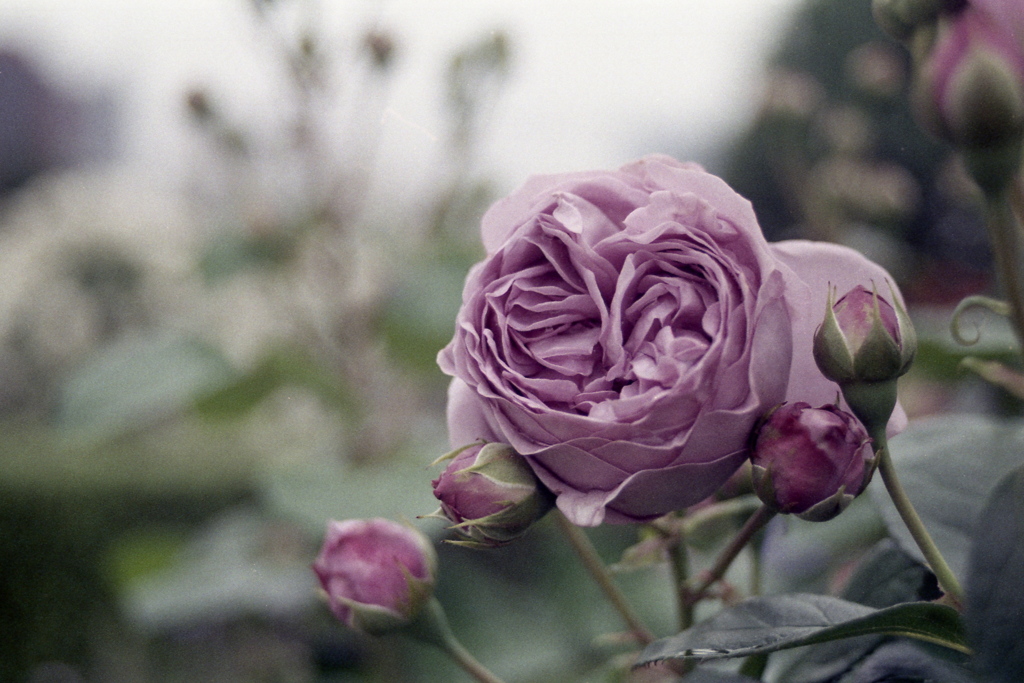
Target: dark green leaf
(780,622)
(995,601)
(887,576)
(712,676)
(948,467)
(904,661)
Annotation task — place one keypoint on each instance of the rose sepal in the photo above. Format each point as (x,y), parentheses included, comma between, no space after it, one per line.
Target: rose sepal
(501,528)
(454,453)
(880,357)
(828,508)
(830,350)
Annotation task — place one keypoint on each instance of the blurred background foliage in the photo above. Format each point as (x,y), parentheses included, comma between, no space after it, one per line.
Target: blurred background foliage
(192,382)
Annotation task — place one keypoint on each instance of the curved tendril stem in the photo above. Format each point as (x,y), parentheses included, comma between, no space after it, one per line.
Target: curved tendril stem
(595,566)
(947,580)
(971,302)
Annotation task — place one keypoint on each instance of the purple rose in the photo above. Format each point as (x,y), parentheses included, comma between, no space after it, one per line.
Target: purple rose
(491,494)
(628,328)
(811,462)
(377,574)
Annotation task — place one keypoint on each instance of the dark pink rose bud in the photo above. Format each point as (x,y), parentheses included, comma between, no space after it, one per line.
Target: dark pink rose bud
(811,462)
(491,494)
(378,574)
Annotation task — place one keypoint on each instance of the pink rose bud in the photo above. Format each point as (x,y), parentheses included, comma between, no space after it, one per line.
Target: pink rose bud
(378,574)
(864,344)
(811,462)
(864,338)
(971,87)
(491,494)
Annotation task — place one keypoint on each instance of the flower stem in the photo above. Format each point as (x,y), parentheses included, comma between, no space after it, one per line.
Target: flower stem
(595,566)
(431,626)
(679,560)
(947,580)
(1005,234)
(461,656)
(753,524)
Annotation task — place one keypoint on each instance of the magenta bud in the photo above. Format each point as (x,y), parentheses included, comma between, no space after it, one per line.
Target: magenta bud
(811,462)
(377,574)
(491,495)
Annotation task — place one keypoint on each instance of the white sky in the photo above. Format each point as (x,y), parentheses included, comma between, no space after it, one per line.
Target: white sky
(594,84)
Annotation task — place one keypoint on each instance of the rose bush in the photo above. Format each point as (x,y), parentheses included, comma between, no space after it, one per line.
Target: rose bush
(628,328)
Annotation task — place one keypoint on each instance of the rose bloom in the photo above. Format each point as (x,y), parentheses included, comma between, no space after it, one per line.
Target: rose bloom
(627,329)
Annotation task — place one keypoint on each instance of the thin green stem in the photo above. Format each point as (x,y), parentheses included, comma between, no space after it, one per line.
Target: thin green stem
(947,580)
(431,626)
(733,507)
(679,561)
(461,656)
(753,524)
(588,555)
(1005,234)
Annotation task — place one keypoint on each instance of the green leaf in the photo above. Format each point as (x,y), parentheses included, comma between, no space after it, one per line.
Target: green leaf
(887,576)
(948,466)
(279,368)
(768,624)
(995,602)
(136,382)
(711,676)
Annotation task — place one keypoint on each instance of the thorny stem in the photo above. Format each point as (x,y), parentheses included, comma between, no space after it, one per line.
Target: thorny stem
(947,580)
(753,524)
(595,567)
